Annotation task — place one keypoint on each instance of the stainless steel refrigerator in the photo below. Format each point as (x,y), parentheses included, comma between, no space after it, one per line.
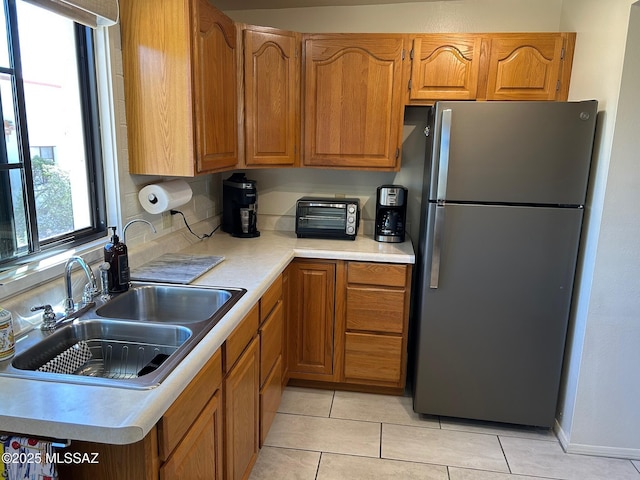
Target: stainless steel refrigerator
(503,204)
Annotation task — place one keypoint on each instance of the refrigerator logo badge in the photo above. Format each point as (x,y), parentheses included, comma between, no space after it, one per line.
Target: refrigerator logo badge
(584,116)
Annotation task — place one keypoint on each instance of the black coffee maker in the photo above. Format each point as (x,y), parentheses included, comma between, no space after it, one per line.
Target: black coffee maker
(391,213)
(239,206)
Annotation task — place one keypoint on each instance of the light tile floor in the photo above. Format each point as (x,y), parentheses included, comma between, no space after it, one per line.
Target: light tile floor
(327,435)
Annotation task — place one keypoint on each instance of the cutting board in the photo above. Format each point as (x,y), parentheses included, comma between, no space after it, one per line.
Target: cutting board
(175,268)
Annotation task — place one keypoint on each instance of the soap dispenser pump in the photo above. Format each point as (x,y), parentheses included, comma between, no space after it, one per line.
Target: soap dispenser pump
(115,254)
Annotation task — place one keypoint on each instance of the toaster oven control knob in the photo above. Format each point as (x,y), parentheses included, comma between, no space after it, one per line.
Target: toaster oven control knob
(352,209)
(351,219)
(350,230)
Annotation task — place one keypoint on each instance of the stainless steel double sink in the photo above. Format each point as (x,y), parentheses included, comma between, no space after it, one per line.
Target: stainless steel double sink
(133,340)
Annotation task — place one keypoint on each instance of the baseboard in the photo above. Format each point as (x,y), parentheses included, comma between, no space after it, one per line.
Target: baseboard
(596,450)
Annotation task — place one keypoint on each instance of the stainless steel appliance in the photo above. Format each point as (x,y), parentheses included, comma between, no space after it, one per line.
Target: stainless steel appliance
(391,213)
(318,217)
(505,186)
(240,206)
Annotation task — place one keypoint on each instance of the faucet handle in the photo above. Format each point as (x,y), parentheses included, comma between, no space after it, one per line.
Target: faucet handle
(48,316)
(89,293)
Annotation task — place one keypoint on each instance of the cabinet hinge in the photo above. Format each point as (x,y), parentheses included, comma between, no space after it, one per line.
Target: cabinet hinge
(403,51)
(411,54)
(562,54)
(558,86)
(397,152)
(409,84)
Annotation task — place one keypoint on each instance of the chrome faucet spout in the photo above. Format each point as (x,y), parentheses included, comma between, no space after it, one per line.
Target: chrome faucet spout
(124,230)
(91,289)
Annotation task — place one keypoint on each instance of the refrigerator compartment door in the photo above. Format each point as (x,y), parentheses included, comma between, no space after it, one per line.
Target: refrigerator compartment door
(515,152)
(491,336)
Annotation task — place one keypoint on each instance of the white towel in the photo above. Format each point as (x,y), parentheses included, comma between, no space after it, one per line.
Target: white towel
(38,452)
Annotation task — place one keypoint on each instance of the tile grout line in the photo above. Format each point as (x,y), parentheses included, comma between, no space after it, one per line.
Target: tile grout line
(380,447)
(318,466)
(504,454)
(333,397)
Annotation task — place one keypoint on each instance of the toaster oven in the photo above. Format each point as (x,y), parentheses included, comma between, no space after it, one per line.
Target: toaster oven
(327,217)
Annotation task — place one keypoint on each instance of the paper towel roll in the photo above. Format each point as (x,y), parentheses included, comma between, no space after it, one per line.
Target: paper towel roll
(160,197)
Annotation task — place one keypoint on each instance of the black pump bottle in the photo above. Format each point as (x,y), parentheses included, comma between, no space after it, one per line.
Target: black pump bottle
(115,254)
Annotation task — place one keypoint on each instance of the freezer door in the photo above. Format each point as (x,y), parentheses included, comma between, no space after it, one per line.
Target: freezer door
(491,335)
(513,152)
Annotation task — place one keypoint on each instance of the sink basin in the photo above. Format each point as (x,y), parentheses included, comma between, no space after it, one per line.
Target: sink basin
(139,337)
(167,303)
(118,350)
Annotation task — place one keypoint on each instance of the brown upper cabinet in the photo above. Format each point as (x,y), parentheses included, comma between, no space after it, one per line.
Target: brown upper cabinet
(204,94)
(271,97)
(353,105)
(445,67)
(529,66)
(179,59)
(501,66)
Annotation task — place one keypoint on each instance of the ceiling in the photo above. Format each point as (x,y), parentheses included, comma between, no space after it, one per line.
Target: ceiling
(273,4)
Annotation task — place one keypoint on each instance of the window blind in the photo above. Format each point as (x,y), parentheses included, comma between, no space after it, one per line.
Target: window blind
(93,13)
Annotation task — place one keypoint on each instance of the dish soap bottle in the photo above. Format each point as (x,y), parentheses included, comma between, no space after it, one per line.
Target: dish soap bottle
(115,254)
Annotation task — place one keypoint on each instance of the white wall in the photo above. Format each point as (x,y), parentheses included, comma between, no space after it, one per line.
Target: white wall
(435,16)
(598,411)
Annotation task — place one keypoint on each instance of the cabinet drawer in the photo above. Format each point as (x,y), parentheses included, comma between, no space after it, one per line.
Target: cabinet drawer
(375,309)
(370,357)
(183,412)
(270,342)
(387,274)
(270,396)
(240,338)
(272,296)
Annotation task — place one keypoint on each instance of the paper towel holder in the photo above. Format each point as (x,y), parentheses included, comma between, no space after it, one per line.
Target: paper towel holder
(157,198)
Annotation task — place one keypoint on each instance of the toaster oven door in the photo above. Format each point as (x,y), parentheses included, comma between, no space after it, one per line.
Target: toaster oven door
(329,220)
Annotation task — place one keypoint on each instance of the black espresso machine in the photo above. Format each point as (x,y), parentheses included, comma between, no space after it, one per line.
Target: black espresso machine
(240,206)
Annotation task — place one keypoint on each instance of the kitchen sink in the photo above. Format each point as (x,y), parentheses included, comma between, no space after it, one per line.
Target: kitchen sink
(167,303)
(118,350)
(133,340)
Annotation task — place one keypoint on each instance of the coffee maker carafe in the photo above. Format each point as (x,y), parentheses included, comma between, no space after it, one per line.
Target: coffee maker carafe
(391,213)
(239,206)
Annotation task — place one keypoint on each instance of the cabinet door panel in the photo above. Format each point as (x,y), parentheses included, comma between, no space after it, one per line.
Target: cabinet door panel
(445,67)
(199,455)
(271,97)
(270,342)
(215,84)
(241,411)
(270,396)
(353,101)
(371,358)
(312,315)
(524,67)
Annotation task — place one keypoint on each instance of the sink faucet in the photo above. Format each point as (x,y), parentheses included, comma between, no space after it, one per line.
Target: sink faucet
(90,289)
(124,230)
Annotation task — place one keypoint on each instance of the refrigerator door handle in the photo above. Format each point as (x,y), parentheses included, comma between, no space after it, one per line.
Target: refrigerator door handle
(436,249)
(443,162)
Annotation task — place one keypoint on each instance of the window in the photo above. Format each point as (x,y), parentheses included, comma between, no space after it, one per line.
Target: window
(51,181)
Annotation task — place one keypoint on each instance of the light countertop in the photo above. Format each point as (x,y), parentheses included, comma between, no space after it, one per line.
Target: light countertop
(121,416)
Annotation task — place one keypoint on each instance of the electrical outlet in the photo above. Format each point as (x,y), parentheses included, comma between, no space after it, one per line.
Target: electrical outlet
(166,220)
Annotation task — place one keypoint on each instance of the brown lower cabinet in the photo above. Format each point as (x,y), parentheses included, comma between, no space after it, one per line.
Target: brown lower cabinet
(199,455)
(348,324)
(332,322)
(241,403)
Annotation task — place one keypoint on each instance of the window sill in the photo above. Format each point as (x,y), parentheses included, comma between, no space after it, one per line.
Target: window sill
(26,276)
